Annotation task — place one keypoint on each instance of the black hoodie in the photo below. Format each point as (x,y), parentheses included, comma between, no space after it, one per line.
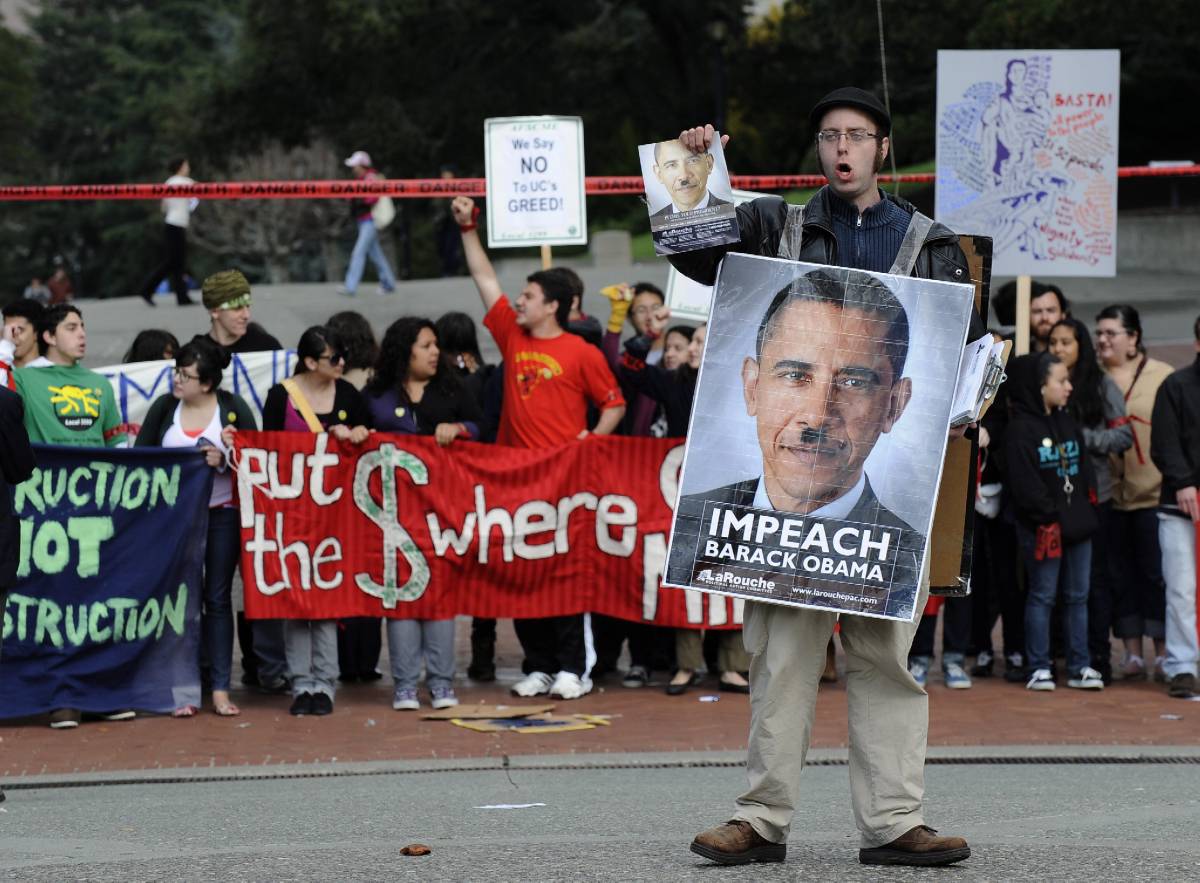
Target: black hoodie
(1042,451)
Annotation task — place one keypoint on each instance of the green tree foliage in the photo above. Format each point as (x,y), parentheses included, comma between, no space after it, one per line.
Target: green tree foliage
(116,84)
(107,90)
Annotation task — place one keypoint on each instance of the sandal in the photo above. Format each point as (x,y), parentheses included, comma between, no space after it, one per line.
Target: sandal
(185,711)
(225,708)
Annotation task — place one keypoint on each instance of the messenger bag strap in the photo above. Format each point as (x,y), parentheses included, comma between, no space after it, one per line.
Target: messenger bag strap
(300,403)
(793,232)
(914,238)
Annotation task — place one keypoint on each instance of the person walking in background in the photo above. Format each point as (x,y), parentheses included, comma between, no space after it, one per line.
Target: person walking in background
(197,414)
(177,214)
(1139,607)
(315,399)
(416,391)
(367,242)
(59,283)
(1052,488)
(1175,449)
(35,290)
(1098,407)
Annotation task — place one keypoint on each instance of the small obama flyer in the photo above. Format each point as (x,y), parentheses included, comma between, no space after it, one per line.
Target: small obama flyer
(818,435)
(688,195)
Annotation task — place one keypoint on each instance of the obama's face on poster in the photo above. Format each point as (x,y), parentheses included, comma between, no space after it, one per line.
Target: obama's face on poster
(823,388)
(683,173)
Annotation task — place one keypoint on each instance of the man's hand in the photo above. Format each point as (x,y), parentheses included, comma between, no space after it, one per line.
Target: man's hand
(700,138)
(957,432)
(658,320)
(463,209)
(213,457)
(985,437)
(227,436)
(1186,498)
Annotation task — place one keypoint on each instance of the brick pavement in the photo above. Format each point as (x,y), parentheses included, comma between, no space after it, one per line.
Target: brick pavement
(364,728)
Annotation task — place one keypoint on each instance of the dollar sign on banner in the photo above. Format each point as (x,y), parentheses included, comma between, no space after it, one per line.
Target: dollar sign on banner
(388,458)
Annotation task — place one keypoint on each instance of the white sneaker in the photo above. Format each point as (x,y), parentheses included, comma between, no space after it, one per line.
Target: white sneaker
(1040,680)
(535,684)
(1087,679)
(569,686)
(955,677)
(405,700)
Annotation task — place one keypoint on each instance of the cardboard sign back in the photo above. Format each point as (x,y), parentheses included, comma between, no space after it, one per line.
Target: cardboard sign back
(952,541)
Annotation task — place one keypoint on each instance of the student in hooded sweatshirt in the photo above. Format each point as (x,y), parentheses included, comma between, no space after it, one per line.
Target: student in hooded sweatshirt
(1052,492)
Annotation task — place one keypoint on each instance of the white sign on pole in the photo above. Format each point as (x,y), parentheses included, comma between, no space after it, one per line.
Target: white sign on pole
(687,298)
(1027,154)
(535,181)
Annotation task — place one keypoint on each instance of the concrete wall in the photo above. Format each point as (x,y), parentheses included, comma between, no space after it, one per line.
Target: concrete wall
(1158,241)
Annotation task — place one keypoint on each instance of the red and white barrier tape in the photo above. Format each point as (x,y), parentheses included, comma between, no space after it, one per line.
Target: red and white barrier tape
(427,188)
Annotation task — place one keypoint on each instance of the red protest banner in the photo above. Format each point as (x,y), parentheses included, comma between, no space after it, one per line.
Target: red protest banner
(402,528)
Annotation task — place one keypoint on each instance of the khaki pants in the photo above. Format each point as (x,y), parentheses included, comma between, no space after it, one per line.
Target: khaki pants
(888,717)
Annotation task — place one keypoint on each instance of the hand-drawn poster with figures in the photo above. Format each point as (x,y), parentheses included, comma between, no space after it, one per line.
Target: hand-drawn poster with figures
(1027,154)
(817,436)
(688,195)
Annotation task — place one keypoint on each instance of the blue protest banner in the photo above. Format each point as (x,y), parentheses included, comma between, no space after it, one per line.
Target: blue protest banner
(105,614)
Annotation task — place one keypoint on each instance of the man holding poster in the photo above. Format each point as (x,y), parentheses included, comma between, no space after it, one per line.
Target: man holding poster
(848,223)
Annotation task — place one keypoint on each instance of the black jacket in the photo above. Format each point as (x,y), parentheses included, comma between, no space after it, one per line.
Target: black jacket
(1038,471)
(761,222)
(16,465)
(349,408)
(233,409)
(1175,439)
(673,390)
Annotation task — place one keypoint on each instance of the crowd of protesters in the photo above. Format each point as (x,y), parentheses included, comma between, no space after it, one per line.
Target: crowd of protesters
(1071,550)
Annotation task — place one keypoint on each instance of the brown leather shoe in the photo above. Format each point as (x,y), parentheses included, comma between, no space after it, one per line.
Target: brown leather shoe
(919,846)
(736,843)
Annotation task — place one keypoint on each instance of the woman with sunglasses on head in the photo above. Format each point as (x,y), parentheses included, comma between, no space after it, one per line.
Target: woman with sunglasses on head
(1098,408)
(315,399)
(1140,605)
(416,390)
(197,414)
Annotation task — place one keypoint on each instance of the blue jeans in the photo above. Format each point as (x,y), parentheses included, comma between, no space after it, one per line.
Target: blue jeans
(1073,572)
(411,639)
(216,616)
(367,245)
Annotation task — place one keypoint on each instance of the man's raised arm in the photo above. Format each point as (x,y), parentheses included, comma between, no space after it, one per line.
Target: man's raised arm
(465,215)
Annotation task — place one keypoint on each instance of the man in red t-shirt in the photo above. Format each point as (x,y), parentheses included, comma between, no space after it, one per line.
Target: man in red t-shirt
(549,378)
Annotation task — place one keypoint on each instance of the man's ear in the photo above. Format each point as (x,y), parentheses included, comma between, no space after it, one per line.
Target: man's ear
(898,400)
(750,385)
(885,145)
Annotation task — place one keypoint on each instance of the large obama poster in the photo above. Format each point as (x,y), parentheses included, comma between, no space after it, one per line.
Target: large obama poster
(817,436)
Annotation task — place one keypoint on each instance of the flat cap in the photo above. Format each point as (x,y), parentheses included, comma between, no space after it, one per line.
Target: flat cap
(859,99)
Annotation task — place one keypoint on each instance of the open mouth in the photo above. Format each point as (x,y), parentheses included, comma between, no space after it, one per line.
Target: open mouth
(843,171)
